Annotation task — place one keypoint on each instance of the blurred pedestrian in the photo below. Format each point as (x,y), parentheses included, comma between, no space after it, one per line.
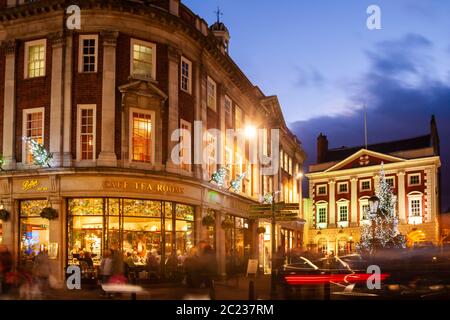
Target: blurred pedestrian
(5,268)
(192,267)
(208,265)
(41,271)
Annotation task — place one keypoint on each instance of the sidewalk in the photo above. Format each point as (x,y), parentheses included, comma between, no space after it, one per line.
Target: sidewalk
(231,289)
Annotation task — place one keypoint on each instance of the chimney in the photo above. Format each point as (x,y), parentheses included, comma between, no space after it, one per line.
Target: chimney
(174,7)
(434,136)
(322,148)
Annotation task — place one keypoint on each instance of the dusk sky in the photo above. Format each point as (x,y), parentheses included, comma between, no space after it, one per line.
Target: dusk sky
(324,64)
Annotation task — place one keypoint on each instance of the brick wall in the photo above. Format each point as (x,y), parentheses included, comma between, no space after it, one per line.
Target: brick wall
(32,93)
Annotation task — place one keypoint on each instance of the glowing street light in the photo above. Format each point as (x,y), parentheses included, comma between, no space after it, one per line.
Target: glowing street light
(250,132)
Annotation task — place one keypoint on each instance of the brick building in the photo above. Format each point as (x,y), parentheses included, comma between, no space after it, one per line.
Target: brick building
(343,179)
(105,100)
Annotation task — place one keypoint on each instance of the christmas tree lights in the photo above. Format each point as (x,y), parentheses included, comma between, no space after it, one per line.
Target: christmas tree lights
(219,176)
(236,184)
(41,156)
(381,231)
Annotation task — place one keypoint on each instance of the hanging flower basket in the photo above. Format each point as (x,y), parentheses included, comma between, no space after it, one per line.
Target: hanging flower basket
(209,221)
(49,213)
(261,230)
(227,224)
(4,215)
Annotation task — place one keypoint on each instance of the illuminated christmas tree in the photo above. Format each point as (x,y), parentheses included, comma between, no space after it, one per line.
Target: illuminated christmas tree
(237,183)
(381,231)
(41,156)
(219,176)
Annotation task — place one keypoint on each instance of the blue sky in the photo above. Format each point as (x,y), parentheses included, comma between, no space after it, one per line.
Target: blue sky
(325,64)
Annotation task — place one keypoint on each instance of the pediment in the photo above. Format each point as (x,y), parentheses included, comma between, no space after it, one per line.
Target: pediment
(364,158)
(143,88)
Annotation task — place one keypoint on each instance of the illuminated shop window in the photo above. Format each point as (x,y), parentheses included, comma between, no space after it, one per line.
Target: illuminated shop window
(142,136)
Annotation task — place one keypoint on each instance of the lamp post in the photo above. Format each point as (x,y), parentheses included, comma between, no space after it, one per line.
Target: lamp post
(350,242)
(374,203)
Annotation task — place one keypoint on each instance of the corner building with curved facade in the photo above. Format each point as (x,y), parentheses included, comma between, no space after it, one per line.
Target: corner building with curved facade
(104,100)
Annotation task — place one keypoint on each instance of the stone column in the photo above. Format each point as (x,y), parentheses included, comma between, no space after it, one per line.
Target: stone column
(401,197)
(332,204)
(9,113)
(173,122)
(8,226)
(354,202)
(67,135)
(56,237)
(107,157)
(199,74)
(57,98)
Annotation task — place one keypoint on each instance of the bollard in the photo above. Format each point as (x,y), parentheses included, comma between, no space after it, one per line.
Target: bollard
(251,290)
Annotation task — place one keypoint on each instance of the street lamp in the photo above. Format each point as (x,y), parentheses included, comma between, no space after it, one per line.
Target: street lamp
(250,132)
(350,241)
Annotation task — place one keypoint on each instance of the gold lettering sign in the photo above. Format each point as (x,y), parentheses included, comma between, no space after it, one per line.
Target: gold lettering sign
(33,185)
(142,186)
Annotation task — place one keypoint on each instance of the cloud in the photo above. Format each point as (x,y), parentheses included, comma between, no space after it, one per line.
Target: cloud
(309,77)
(396,108)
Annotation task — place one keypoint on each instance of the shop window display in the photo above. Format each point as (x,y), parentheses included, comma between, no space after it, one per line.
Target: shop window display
(34,230)
(237,245)
(139,228)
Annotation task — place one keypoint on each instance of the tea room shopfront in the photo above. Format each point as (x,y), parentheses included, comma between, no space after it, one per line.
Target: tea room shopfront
(139,216)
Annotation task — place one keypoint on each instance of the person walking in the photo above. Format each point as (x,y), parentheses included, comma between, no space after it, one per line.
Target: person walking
(41,272)
(5,268)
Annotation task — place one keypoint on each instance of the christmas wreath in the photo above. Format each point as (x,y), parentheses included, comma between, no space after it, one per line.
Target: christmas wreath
(227,224)
(4,215)
(209,221)
(261,230)
(49,213)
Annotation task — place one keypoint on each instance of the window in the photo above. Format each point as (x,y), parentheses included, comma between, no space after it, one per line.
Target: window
(286,162)
(322,215)
(343,187)
(322,190)
(34,230)
(290,165)
(142,141)
(33,128)
(88,53)
(414,179)
(366,185)
(281,159)
(343,213)
(229,158)
(35,53)
(391,181)
(228,111)
(86,132)
(185,150)
(211,94)
(186,75)
(238,118)
(416,208)
(365,211)
(265,142)
(212,152)
(143,62)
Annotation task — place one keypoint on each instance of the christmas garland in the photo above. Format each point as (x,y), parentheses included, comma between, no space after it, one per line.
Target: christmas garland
(41,156)
(227,224)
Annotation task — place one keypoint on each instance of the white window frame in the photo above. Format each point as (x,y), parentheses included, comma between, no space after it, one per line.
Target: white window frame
(189,76)
(343,204)
(414,175)
(81,54)
(361,184)
(209,80)
(318,188)
(363,202)
(393,181)
(415,219)
(29,44)
(321,205)
(81,107)
(147,44)
(211,153)
(339,188)
(25,113)
(130,141)
(186,126)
